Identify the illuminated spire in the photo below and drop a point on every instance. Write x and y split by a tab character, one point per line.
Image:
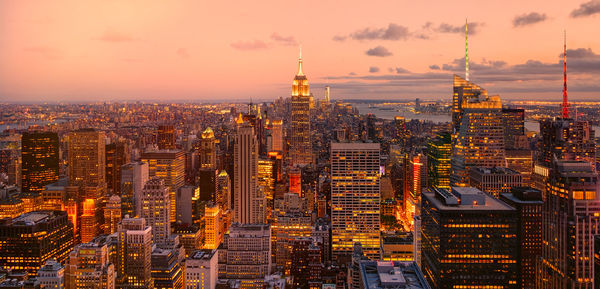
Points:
300	72
466	51
565	103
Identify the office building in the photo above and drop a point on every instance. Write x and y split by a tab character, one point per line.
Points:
134	249
277	135
29	240
188	201
52	275
166	137
570	222
468	240
89	266
190	236
133	178
246	254
39	160
566	139
415	170
213	229
401	134
306	264
167	267
521	160
514	126
300	146
249	200
355	198
529	205
201	269
168	165
156	209
117	155
397	246
112	214
495	180
223	191
208	150
438	155
87	158
479	138
286	228
463	92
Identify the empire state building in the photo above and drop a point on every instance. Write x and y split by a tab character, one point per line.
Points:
300	146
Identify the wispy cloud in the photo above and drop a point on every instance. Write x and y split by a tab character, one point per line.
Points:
396	32
44	51
528	19
379	51
373	69
586	9
284	40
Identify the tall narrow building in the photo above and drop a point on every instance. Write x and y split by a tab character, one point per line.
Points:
355	198
89	266
117	154
479	138
86	158
134	249
156	209
170	166
300	145
277	135
133	178
249	201
208	150
570	222
39	160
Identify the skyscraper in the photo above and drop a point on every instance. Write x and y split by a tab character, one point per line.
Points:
39	160
156	209
223	191
355	198
464	91
208	150
468	240
213	229
133	178
112	214
479	138
567	139
134	249
514	125
277	134
166	137
249	201
170	166
117	154
570	222
29	240
438	154
89	266
86	158
496	180
300	145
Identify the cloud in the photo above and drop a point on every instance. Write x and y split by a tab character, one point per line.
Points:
434	67
392	32
379	51
400	70
579	53
249	45
339	38
528	19
373	69
474	28
113	36
183	53
44	51
289	40
586	9
352	73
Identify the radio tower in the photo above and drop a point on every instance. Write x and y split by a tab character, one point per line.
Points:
565	103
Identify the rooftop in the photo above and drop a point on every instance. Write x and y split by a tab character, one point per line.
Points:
495	171
392	274
464	199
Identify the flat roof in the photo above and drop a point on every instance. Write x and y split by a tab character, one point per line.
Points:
491	203
392	274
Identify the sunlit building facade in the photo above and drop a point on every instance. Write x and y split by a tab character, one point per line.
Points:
134	249
249	201
168	165
208	150
300	146
156	209
89	267
355	198
213	229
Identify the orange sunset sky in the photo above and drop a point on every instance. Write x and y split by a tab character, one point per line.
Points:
236	50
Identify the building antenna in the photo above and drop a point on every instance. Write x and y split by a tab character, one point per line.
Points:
565	103
466	51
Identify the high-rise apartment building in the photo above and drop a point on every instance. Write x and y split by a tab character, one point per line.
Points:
168	165
29	240
468	240
89	266
156	209
438	155
300	145
479	138
165	137
201	269
355	198
112	214
570	222
134	249
246	254
249	201
133	178
39	160
529	205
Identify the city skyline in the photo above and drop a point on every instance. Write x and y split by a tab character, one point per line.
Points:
383	50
